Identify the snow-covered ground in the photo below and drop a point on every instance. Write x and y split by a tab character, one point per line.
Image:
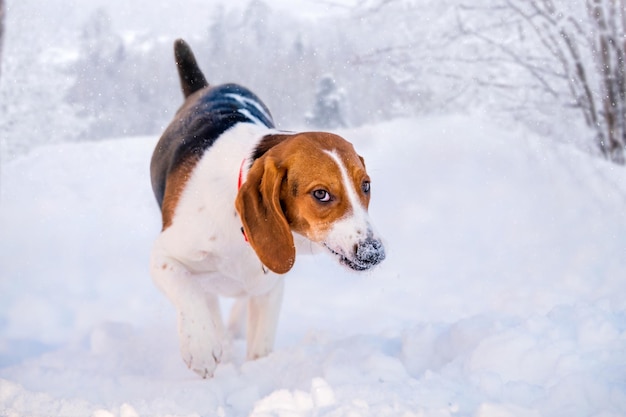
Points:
503	294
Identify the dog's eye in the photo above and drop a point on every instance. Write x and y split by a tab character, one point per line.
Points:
365	187
321	195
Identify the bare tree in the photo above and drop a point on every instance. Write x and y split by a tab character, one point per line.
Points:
573	50
608	41
1	27
1	42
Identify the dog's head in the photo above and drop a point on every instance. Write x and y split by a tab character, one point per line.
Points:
316	185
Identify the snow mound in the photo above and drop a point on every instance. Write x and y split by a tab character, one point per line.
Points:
502	293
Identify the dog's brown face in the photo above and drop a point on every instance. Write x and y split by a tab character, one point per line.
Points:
316	185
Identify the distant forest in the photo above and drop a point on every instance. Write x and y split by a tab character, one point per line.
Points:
552	65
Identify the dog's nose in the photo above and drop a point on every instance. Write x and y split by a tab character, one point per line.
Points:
370	252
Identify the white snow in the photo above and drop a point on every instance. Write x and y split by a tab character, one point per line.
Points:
503	292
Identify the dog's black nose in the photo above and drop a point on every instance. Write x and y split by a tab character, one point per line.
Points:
370	252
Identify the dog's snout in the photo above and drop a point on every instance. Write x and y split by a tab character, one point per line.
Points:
370	252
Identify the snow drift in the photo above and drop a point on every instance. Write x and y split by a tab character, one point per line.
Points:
502	294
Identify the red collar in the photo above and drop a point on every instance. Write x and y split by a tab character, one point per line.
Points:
240	180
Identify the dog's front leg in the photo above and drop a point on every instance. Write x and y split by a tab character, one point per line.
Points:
201	332
200	324
263	312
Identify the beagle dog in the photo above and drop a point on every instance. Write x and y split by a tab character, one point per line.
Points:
237	198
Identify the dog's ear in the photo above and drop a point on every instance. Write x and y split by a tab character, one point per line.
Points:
264	222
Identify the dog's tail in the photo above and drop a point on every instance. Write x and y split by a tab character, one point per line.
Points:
191	77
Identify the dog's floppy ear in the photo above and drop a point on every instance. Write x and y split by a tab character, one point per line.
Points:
264	222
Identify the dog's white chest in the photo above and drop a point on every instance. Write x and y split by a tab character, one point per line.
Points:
205	234
243	284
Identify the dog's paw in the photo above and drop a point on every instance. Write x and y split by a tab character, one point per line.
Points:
258	351
204	364
200	346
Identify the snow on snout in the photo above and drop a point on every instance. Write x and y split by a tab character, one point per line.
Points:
353	238
370	252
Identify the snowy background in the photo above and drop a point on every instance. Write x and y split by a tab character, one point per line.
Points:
503	293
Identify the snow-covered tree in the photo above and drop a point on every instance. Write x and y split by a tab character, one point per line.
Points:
256	17
97	88
328	110
35	80
407	58
1	42
1	29
567	54
123	85
217	30
34	111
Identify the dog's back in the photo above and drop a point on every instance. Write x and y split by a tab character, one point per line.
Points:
206	114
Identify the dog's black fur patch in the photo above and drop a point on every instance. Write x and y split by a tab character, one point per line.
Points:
205	116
